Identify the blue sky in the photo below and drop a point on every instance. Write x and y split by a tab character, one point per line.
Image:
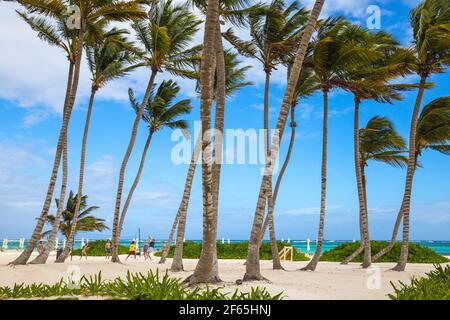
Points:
31	93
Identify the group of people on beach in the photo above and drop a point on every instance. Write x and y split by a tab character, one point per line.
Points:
147	250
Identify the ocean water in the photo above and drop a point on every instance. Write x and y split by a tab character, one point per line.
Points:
440	247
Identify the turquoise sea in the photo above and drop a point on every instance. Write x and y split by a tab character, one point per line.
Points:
440	247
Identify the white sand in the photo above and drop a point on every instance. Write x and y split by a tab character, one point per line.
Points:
330	280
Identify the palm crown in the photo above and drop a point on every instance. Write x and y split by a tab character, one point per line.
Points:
160	111
166	36
275	32
379	141
433	127
86	221
110	58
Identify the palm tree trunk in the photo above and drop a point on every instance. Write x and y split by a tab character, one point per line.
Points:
391	244
136	180
116	228
204	268
252	265
42	258
170	239
177	262
69	242
283	168
315	259
71	90
270	201
276	263
409	178
219	124
365	239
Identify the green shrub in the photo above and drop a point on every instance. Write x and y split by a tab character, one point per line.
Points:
236	250
97	249
134	287
417	253
435	286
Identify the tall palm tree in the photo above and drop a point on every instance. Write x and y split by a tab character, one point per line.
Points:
86	221
49	20
166	37
160	112
110	56
275	31
306	86
433	132
340	47
252	264
431	46
371	82
235	80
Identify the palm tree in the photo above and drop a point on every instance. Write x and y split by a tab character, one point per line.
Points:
431	46
275	36
372	82
165	38
252	264
433	132
340	47
110	56
49	20
306	86
235	80
86	221
159	113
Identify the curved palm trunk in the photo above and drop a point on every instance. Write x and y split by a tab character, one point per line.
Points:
252	265
409	178
136	180
116	228
71	91
276	263
177	262
282	170
315	259
205	265
70	239
170	239
270	201
42	258
365	239
391	244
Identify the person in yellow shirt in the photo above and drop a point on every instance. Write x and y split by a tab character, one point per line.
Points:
132	251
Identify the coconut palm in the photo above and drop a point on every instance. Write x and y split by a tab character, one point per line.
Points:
49	19
86	221
275	36
306	86
371	82
235	80
433	133
165	37
431	46
340	47
379	141
160	112
252	264
110	56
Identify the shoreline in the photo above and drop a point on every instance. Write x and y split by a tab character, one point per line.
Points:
331	280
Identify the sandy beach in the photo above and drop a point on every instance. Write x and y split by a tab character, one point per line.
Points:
330	280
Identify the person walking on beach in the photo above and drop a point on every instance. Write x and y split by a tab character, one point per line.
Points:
152	247
132	251
84	251
40	247
108	249
145	250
